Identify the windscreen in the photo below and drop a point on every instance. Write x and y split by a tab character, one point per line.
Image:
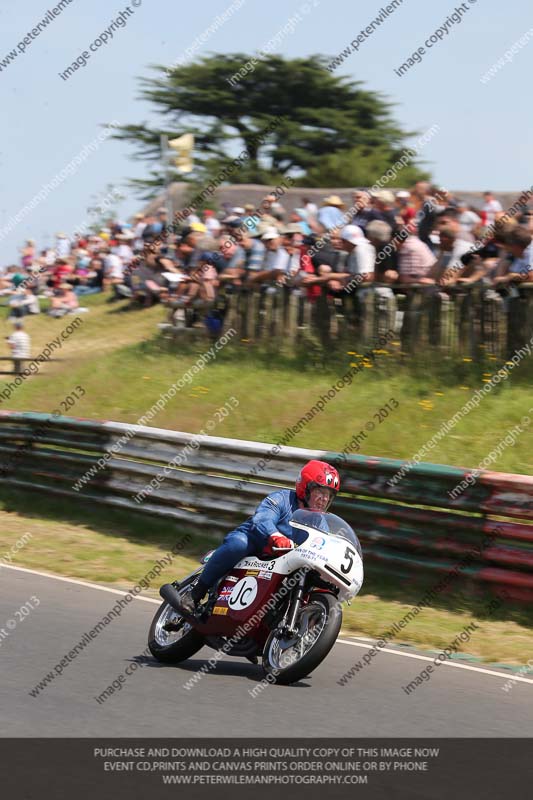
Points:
324	523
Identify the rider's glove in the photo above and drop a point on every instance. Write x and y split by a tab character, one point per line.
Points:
277	543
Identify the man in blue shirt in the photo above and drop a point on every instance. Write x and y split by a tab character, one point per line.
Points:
330	214
268	531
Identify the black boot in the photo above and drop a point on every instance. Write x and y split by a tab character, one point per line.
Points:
190	597
198	592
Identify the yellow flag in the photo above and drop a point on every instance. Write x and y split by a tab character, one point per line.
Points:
184	146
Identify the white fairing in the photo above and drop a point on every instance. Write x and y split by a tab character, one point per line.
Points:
335	558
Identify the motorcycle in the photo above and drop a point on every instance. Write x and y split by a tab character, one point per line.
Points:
286	610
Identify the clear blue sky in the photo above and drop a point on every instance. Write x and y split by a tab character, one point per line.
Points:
484	129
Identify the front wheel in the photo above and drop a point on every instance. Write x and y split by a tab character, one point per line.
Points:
172	646
288	660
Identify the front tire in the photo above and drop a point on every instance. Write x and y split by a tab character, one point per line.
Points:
319	622
173	646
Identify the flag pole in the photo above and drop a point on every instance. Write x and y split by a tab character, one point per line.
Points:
166	177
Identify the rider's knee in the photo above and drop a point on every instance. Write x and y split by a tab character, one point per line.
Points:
238	542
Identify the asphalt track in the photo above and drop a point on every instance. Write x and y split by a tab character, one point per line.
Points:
153	702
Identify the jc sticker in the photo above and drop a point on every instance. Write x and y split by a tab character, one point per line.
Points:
243	594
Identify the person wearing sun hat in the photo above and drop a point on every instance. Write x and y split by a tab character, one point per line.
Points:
330	214
275	259
361	253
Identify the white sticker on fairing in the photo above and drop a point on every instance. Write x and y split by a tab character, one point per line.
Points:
243	594
278	565
265	575
312	555
251	563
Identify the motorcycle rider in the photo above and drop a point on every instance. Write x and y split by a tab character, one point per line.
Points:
268	532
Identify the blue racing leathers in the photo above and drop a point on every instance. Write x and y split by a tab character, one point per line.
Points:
272	515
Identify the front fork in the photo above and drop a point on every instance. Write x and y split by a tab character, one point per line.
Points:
288	626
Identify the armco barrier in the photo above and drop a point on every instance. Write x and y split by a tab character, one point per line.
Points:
408	528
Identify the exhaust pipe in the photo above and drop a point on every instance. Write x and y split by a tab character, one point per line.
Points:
169	593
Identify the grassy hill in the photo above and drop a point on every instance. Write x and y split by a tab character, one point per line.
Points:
123	363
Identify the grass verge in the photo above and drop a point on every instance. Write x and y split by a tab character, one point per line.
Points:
124	365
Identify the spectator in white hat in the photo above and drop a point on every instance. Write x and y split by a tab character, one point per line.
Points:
361	254
276	259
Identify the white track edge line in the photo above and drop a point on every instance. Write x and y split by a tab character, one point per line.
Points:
79	583
508	675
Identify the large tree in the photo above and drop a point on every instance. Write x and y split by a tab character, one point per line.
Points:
319	116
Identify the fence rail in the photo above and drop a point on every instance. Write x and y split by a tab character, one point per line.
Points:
406	529
465	320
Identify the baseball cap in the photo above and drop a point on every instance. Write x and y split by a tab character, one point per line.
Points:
270	233
352	234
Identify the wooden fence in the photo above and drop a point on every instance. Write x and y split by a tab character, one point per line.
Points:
466	321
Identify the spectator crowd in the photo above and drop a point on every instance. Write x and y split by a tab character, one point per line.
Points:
425	236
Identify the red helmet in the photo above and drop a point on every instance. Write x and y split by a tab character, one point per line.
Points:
317	473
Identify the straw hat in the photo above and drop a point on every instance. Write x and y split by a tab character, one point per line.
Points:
333	200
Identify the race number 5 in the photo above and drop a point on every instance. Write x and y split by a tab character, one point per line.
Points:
348	556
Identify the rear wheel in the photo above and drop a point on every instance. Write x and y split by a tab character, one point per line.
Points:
178	644
287	660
